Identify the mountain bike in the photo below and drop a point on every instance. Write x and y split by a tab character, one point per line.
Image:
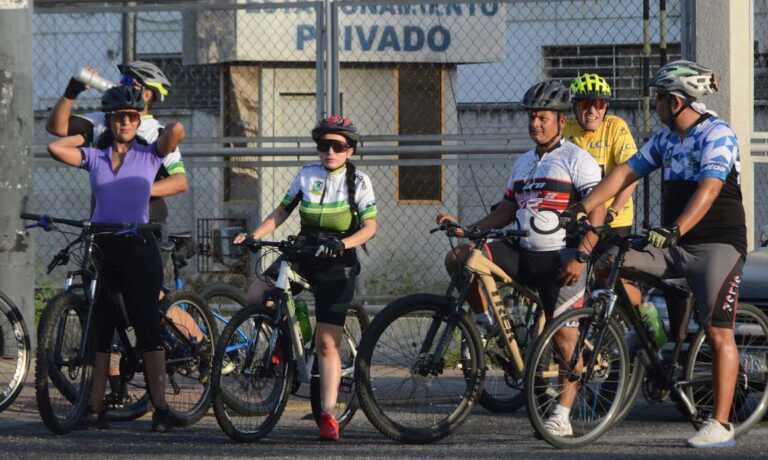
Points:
15	353
266	356
63	374
598	365
421	363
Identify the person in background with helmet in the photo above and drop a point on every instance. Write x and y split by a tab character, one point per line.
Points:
153	83
551	176
702	235
338	211
122	167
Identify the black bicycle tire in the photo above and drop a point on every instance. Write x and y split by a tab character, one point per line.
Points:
190	417
366	398
218	289
636	377
24	354
314	386
220	402
696	346
47	331
530	377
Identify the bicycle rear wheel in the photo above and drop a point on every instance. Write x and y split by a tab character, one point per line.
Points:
408	393
189	339
62	379
250	398
598	395
751	398
346	403
15	353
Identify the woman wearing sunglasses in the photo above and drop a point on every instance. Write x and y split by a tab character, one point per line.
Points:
122	168
338	210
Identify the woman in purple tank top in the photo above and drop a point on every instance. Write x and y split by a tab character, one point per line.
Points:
122	168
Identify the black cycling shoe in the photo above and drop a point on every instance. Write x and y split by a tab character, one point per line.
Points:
205	360
163	420
99	420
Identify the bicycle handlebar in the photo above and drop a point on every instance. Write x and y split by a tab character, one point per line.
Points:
46	223
479	234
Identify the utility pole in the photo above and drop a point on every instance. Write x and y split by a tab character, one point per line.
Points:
16	121
129	35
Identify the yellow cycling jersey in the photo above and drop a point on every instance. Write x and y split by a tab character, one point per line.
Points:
611	145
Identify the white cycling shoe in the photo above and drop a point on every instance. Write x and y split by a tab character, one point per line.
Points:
559	426
712	435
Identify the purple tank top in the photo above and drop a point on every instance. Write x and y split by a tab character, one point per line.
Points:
122	196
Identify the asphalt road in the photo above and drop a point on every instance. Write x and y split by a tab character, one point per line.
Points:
656	431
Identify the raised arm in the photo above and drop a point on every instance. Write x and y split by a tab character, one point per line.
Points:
619	179
171	138
66	150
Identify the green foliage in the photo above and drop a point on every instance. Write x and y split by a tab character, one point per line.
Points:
43	294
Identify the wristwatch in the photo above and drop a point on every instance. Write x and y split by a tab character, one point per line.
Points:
582	257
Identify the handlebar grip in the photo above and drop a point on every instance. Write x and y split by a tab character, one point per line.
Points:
28	216
517	233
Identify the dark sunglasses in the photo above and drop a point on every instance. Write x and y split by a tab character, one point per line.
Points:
132	117
324	146
585	104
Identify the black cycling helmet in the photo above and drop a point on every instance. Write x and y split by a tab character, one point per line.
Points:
548	95
122	98
149	75
336	124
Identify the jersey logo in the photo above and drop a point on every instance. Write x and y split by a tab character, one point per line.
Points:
316	188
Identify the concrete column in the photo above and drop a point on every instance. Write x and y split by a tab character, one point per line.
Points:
16	122
724	34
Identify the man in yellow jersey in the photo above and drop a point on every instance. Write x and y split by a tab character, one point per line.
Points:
606	137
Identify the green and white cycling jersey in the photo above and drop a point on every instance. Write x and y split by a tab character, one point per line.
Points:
149	130
322	198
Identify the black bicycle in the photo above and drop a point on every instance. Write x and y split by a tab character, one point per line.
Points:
63	374
15	352
596	368
421	364
262	356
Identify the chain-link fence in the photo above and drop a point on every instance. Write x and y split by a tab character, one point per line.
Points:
433	86
759	142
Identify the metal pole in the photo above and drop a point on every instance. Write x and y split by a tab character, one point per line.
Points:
662	32
333	63
16	124
646	107
129	35
328	43
320	61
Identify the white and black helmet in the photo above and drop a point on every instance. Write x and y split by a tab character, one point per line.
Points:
686	79
548	95
149	75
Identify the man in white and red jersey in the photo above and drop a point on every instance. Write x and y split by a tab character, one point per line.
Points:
553	175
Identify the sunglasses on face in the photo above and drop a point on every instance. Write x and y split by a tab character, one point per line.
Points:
324	146
120	117
585	104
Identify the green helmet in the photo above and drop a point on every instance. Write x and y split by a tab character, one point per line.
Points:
589	86
686	79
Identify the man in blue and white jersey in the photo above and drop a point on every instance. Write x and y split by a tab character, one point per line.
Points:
703	231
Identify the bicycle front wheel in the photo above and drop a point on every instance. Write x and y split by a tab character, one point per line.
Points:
596	383
15	353
252	374
189	335
224	300
62	377
751	398
346	402
419	369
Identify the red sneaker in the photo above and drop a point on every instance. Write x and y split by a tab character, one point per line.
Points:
329	427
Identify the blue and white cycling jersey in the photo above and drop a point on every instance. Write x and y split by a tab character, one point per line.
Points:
709	150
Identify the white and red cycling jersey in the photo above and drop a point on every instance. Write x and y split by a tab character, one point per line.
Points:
554	180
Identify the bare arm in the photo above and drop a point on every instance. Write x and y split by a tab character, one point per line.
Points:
171	138
597	218
619	179
362	236
624	196
699	204
171	185
268	225
58	120
66	150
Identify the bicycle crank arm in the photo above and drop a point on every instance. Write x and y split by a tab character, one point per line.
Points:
677	388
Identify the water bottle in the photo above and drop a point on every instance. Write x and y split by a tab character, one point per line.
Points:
652	321
93	80
302	315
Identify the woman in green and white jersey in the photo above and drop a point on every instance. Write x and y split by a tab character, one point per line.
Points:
337	207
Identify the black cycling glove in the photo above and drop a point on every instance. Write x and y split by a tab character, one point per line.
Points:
664	237
74	88
330	247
